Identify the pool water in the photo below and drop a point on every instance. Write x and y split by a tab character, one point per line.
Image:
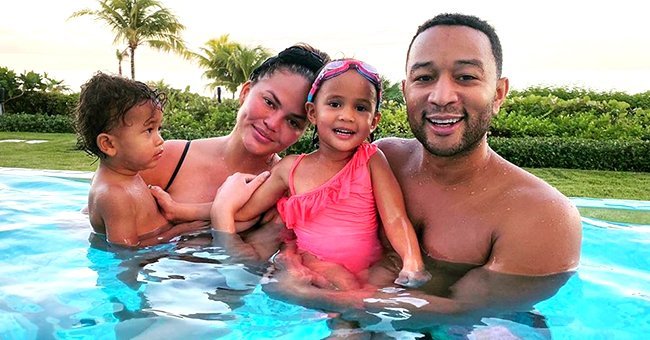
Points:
57	280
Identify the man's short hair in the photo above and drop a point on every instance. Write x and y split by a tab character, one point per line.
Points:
457	19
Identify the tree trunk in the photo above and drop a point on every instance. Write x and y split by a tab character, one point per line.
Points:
132	62
119	68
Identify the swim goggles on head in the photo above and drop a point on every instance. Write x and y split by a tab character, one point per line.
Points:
337	67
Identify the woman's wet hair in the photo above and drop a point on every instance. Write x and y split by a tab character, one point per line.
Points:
301	59
103	103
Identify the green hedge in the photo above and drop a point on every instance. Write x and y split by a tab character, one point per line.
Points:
640	100
545	127
537	116
574	153
47	103
22	122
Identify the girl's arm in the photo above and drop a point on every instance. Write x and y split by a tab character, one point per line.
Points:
398	228
232	204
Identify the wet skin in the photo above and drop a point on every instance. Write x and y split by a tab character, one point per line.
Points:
494	237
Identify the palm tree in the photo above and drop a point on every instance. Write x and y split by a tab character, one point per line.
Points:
53	85
120	57
139	22
228	63
391	91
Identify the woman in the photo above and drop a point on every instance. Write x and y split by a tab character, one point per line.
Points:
271	118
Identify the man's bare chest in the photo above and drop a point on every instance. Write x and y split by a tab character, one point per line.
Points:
452	225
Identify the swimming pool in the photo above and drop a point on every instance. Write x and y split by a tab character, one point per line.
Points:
59	281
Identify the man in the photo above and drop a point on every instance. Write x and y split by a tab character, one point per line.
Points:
494	237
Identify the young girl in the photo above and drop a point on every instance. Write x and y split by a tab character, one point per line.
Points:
336	191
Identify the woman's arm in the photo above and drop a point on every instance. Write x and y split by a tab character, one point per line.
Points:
238	200
235	192
398	228
179	212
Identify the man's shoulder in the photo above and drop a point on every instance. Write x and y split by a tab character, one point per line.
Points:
394	147
539	228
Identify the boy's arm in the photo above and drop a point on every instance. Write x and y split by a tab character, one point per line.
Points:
118	212
398	228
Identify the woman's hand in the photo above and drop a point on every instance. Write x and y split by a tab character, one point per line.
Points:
165	202
235	191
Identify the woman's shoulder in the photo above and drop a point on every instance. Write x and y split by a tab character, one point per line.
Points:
212	143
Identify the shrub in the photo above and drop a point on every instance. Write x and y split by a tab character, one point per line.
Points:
574	153
47	103
21	122
393	121
536	116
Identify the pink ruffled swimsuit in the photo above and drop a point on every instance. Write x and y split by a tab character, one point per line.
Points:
337	222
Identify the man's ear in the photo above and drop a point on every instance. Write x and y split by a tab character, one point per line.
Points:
245	89
106	144
310	108
503	85
375	121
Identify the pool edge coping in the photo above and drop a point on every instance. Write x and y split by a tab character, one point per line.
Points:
76	174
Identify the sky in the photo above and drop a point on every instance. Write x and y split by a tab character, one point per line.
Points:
597	45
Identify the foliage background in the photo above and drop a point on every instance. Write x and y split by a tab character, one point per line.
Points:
537	127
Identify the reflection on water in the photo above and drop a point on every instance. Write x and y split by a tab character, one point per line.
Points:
61	281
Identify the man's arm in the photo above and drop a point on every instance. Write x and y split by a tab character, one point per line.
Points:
530	261
541	236
477	294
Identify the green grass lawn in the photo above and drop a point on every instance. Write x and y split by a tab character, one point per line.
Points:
60	153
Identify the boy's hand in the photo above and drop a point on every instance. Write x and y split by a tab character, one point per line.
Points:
412	279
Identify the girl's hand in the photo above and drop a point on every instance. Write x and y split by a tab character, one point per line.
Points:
412	279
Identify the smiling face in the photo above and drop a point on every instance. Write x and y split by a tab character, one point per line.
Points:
451	89
344	111
272	114
136	141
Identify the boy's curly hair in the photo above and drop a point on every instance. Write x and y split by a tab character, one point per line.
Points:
103	103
